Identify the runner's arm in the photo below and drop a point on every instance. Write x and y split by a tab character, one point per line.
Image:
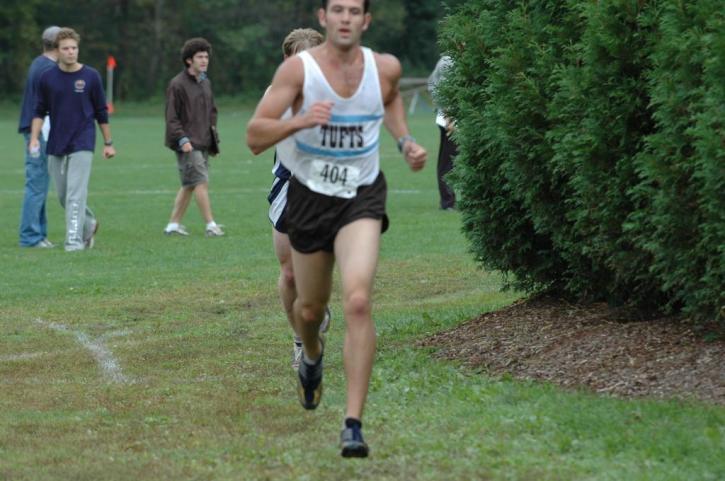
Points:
394	120
266	127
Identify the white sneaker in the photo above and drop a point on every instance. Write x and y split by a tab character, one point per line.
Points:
179	230
44	244
91	241
325	326
296	355
214	230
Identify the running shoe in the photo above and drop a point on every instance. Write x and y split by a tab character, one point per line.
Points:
297	354
91	241
351	440
178	230
325	326
44	244
309	383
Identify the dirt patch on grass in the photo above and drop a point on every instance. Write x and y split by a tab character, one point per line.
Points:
607	350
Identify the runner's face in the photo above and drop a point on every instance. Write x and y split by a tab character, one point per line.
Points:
199	62
344	21
68	52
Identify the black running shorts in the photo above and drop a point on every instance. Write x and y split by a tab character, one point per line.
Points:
313	220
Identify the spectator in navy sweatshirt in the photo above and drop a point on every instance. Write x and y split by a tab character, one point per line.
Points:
72	95
33	221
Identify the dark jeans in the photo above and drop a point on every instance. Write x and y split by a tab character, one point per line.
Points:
33	222
448	149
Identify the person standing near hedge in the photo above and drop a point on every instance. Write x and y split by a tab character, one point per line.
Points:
33	221
72	95
191	118
448	148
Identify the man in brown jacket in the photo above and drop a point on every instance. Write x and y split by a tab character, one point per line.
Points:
191	133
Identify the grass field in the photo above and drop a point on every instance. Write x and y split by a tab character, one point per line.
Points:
155	358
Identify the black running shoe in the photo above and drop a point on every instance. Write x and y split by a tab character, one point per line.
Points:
352	442
309	386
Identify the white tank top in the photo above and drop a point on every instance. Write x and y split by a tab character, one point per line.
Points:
336	158
285	148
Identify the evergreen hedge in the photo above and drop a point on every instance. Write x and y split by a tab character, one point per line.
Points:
591	147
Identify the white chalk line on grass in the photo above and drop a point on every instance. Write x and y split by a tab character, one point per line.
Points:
104	357
25	356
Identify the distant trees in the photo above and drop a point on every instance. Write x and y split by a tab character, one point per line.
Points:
145	37
19	43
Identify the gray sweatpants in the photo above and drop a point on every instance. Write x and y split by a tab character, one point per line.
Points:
71	173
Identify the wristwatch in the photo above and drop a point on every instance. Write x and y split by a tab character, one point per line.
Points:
402	140
108	142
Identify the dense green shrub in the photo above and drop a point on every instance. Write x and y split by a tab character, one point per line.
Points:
682	164
592	147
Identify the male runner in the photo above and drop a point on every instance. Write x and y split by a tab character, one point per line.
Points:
340	93
296	41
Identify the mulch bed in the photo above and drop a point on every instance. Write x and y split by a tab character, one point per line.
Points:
612	351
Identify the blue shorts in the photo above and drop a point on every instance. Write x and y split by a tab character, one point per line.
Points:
278	204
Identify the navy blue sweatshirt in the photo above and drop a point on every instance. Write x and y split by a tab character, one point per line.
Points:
30	96
74	101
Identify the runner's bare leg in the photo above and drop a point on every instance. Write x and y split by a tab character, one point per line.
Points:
286	281
313	278
356	248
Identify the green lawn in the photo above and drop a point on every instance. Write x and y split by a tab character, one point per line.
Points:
151	358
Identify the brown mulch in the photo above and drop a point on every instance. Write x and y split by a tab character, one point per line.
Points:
592	346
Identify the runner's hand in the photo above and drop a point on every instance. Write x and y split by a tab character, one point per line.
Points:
318	114
415	155
187	147
108	151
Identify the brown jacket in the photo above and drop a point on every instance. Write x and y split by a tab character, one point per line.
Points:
191	113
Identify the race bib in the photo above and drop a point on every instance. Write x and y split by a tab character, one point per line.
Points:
334	179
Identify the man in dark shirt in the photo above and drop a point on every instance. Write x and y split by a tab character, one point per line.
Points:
72	95
33	221
191	133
